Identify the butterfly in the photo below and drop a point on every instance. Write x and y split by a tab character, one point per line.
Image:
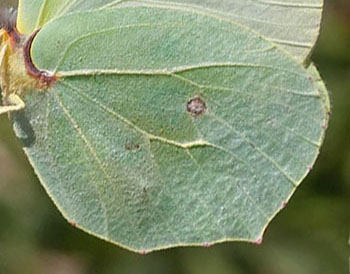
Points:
153	125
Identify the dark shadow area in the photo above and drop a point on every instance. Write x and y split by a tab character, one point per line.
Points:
24	129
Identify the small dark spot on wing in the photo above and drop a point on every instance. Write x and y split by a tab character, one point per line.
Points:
258	241
196	106
206	245
132	147
74	224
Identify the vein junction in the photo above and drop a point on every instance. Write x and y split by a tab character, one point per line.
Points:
151	137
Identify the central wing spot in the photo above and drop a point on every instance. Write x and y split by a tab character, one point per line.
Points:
196	106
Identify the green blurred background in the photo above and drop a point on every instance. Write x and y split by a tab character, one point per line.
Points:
310	236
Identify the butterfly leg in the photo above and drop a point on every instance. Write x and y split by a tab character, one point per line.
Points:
15	104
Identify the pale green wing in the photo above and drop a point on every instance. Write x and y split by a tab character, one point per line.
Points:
121	150
33	14
292	24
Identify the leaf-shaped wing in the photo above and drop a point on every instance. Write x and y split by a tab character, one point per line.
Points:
33	14
293	25
168	127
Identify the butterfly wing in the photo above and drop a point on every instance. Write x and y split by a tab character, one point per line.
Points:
116	145
289	24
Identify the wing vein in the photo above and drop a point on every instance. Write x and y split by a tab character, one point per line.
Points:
94	155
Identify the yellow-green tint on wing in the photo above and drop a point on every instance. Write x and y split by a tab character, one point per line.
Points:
292	24
33	14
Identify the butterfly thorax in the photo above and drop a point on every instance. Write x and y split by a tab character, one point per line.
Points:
14	77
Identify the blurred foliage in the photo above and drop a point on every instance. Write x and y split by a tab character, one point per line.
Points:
310	236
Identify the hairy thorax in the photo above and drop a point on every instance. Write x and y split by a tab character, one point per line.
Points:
14	77
18	74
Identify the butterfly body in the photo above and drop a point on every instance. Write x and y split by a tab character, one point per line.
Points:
14	78
18	74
